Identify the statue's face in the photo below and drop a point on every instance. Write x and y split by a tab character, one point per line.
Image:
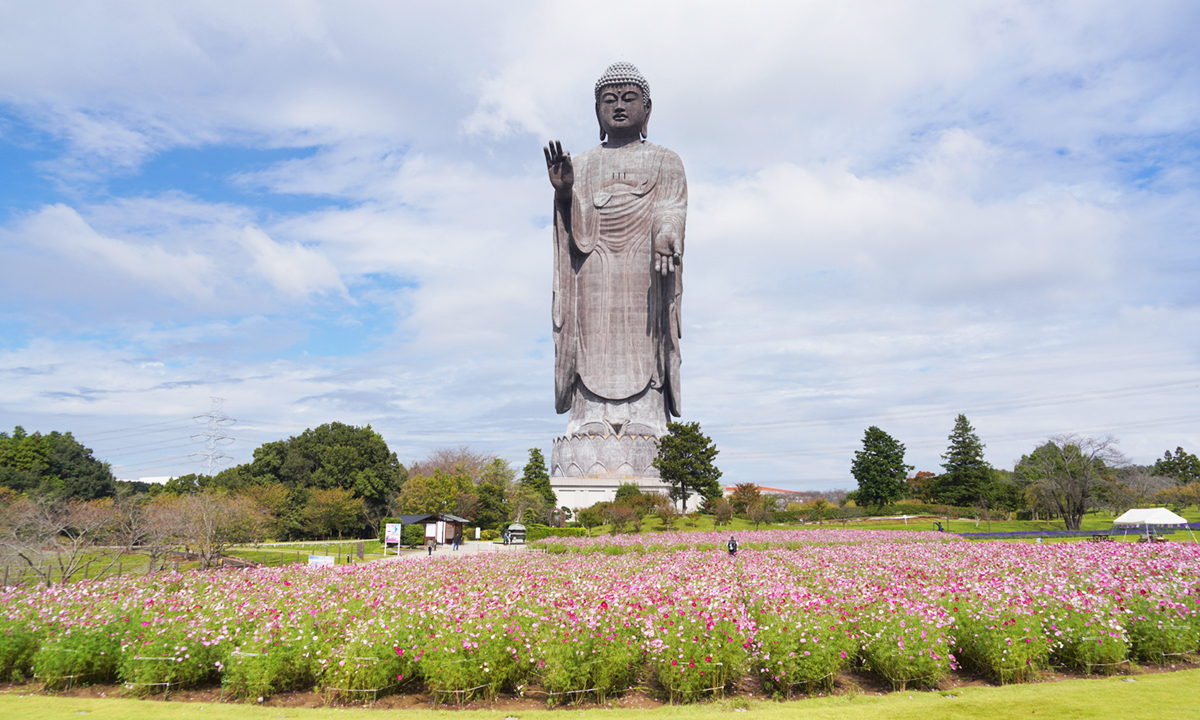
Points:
620	110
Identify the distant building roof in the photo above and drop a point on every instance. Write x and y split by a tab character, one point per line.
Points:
777	491
423	518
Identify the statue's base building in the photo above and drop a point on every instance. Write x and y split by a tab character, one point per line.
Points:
587	469
620	211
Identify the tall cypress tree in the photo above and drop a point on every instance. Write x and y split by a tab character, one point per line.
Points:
968	477
535	476
879	468
685	462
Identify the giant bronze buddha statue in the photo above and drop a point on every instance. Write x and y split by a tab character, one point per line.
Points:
619	215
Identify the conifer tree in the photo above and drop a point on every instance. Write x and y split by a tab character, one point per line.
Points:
879	468
968	477
1184	466
536	478
685	462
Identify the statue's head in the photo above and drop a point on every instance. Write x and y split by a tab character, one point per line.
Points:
622	101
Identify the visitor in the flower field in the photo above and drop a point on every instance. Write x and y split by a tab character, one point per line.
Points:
732	544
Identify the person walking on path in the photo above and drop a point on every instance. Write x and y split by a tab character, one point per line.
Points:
457	539
732	545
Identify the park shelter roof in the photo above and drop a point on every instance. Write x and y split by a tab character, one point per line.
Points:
1150	516
430	517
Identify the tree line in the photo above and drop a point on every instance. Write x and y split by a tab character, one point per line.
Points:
335	480
1065	477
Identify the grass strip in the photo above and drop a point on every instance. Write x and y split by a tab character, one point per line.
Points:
1164	696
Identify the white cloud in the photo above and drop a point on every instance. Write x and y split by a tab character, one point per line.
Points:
61	230
293	269
899	212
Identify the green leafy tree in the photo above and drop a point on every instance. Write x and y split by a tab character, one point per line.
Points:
493	490
272	503
628	493
879	469
967	479
527	505
761	512
1067	473
333	510
744	497
1183	466
53	465
536	478
685	462
590	518
187	484
630	496
334	455
722	512
433	493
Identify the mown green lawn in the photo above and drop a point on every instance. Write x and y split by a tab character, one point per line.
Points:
1166	696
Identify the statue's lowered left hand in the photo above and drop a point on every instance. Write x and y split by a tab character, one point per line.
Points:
668	249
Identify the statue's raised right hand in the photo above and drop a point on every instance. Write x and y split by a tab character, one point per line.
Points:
562	172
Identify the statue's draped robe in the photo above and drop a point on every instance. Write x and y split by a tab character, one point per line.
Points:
616	321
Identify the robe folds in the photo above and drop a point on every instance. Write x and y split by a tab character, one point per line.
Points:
616	321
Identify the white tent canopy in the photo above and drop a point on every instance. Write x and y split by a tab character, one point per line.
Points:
1140	517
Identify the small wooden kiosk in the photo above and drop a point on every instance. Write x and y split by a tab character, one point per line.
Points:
440	528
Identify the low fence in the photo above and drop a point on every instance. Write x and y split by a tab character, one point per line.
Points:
100	567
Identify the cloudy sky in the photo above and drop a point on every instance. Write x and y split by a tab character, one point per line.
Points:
317	211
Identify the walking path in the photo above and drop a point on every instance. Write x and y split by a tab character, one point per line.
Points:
468	548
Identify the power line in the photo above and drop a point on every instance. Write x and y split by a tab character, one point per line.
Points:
981	409
89	436
848	450
161	444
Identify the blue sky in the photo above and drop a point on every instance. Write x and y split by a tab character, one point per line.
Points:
323	211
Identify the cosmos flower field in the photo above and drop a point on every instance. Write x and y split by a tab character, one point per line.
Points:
671	615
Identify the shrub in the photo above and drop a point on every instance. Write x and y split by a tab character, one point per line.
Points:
361	669
153	663
1088	640
78	657
1160	630
275	666
904	648
1005	644
17	646
587	662
696	654
537	533
805	650
464	659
